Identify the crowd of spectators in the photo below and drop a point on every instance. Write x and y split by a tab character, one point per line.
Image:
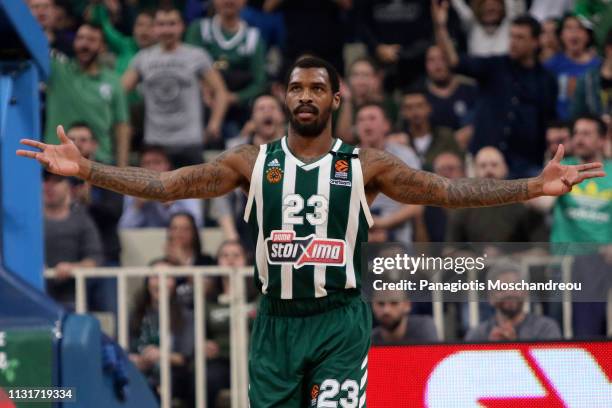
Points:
480	88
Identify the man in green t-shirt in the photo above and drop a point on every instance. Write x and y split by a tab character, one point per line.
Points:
80	90
238	51
585	214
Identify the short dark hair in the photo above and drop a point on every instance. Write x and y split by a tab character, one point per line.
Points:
528	21
415	90
377	105
168	9
316	62
82	124
95	26
157	149
559	124
602	128
367	60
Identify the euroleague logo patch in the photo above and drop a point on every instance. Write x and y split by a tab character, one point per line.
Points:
342	166
274	175
314	393
283	247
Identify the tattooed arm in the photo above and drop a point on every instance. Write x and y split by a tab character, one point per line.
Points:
385	173
229	170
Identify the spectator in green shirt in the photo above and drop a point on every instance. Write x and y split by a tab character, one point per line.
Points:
123	46
80	90
239	54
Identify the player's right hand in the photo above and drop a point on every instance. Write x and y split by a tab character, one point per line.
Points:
60	159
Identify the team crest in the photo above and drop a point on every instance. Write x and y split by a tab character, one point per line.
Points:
284	248
274	175
314	394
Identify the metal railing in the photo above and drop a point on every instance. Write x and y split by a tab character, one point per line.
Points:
238	321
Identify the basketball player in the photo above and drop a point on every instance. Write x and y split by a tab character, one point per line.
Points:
308	196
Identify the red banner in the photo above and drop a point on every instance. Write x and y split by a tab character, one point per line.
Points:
515	375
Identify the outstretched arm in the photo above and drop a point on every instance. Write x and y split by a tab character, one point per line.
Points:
229	170
385	173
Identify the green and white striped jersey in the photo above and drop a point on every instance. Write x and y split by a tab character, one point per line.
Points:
308	221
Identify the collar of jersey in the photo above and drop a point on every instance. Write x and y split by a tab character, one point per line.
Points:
312	165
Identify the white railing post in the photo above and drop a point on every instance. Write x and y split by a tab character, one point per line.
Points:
473	302
200	356
164	340
241	339
81	292
566	277
122	311
234	352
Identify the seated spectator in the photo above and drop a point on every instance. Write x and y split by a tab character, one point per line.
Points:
267	124
513	222
487	24
144	336
142	213
451	166
426	139
452	98
511	322
44	11
105	208
364	85
183	245
577	57
558	132
585	213
372	127
239	54
83	90
517	95
594	89
71	239
396	325
217	346
549	41
173	97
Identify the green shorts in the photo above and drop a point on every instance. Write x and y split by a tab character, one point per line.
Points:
310	352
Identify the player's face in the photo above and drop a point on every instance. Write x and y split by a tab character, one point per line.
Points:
87	44
371	126
144	33
309	101
586	141
168	27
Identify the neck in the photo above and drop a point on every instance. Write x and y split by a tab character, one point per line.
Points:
170	46
376	144
420	130
527	61
310	148
91	68
575	55
398	333
230	23
58	212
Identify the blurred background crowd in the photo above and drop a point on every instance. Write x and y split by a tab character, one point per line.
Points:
462	88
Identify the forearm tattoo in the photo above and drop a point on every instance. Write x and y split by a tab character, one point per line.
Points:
395	179
201	181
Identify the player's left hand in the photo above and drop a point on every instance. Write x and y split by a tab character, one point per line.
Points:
557	179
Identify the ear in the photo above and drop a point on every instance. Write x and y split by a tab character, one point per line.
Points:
336	101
